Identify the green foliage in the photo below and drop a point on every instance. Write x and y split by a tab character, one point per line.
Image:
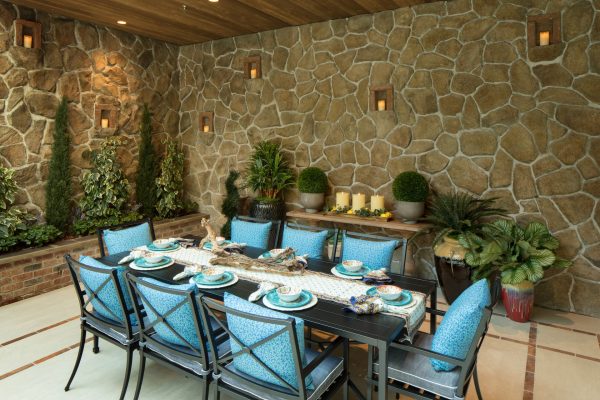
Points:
58	187
105	187
410	186
145	189
88	226
12	220
518	253
170	182
268	171
312	180
39	235
8	188
230	205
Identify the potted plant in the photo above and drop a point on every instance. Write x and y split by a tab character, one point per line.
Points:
268	173
312	184
521	255
410	190
452	214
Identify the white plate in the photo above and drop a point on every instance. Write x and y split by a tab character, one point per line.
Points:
231	282
304	307
336	273
133	266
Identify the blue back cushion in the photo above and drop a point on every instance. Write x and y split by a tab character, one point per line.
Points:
457	330
127	239
276	353
305	241
108	294
373	254
181	320
254	234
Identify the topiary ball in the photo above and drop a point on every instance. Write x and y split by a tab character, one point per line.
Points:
312	180
410	186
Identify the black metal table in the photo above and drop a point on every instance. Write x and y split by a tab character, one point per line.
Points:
377	330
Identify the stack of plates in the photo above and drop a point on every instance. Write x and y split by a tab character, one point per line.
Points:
208	245
228	279
404	299
171	247
305	301
341	272
141	264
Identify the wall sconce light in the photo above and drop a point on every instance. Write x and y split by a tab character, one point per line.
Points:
207	122
252	67
28	34
106	116
543	30
382	98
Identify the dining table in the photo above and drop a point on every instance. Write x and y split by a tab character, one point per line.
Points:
376	330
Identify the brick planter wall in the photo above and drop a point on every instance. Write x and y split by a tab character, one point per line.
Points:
30	272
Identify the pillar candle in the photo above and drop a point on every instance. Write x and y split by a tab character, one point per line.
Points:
342	199
27	41
544	38
104	122
358	201
377	203
253	73
205	128
380	105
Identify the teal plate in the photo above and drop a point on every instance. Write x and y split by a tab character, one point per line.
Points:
227	277
405	297
361	272
269	254
142	263
208	245
304	299
171	247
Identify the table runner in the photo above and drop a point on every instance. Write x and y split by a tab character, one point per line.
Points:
323	285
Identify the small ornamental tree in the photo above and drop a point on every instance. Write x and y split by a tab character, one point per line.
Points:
58	187
169	185
145	189
231	202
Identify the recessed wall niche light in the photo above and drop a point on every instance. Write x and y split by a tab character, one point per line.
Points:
121	22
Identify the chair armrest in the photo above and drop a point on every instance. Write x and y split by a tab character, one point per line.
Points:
429	353
322	355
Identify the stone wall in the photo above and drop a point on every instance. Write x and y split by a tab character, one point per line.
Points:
473	110
88	65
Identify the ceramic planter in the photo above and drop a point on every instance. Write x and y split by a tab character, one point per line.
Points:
312	202
268	210
518	300
454	275
409	212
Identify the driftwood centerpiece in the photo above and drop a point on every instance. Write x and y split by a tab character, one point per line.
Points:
274	264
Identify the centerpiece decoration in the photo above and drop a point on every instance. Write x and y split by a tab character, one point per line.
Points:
410	190
312	184
359	209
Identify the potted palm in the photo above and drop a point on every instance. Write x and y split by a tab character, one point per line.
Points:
449	216
268	174
312	184
520	255
410	190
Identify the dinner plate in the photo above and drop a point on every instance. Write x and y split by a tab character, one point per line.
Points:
221	283
364	270
336	273
140	265
310	304
404	299
171	247
304	299
208	245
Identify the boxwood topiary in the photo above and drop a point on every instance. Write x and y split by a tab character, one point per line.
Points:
312	180
410	186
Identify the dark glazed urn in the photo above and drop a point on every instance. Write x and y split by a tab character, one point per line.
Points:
268	210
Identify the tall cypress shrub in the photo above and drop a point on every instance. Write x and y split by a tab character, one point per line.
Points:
231	203
58	187
145	189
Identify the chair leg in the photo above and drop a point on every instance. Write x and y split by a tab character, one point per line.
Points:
79	354
96	349
477	388
127	372
138	387
369	372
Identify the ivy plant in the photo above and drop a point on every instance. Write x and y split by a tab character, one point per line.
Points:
12	219
169	185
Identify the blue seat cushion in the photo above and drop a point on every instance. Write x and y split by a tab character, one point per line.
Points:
457	330
305	241
181	320
126	239
106	303
254	234
375	254
275	353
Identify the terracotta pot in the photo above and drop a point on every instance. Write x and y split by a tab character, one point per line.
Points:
409	212
518	300
312	202
454	275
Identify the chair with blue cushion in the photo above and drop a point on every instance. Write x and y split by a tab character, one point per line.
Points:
172	333
268	359
306	239
106	309
444	363
374	251
125	237
255	232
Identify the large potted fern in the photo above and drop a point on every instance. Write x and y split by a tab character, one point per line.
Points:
449	216
520	254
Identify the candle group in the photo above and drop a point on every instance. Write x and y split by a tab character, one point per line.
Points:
342	199
544	38
104	122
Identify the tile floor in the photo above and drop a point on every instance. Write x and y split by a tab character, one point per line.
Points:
556	356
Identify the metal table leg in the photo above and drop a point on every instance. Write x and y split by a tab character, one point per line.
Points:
382	349
433	317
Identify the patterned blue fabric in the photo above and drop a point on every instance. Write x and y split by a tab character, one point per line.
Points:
373	254
276	353
108	295
254	234
127	239
457	330
181	320
305	241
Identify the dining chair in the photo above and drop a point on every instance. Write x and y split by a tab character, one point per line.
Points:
106	310
172	333
307	239
425	369
125	237
268	359
374	251
255	232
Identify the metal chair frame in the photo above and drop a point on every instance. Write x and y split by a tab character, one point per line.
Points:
100	231
402	243
275	228
332	232
126	329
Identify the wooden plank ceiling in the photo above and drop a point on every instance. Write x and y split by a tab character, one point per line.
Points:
195	21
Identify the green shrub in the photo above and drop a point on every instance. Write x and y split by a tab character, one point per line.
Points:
145	188
268	172
230	205
410	186
88	226
58	187
312	180
170	182
12	220
39	235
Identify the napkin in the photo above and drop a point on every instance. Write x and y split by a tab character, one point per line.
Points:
263	288
188	271
365	304
377	277
132	256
